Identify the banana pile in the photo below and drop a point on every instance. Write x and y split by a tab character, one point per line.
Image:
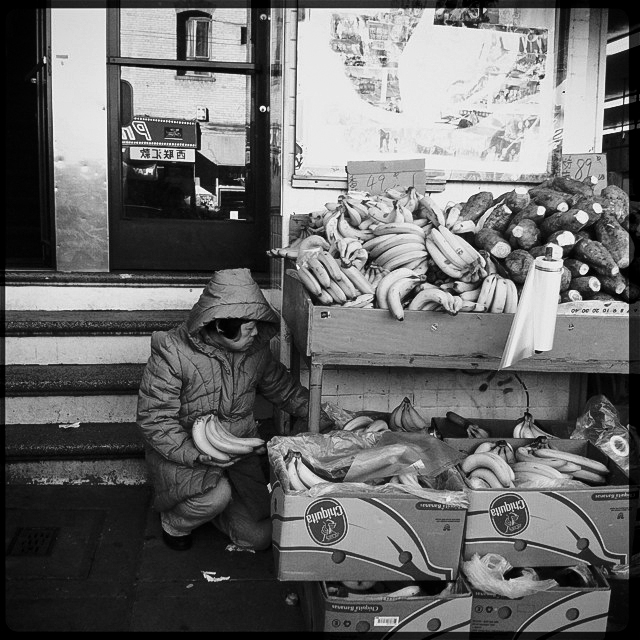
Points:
541	459
366	424
301	476
405	417
488	467
213	439
527	428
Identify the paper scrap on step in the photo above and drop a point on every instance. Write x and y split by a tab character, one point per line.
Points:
534	323
72	425
233	547
210	576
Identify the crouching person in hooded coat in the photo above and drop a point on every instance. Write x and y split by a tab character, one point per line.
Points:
214	363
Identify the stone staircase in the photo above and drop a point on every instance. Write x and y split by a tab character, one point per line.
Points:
74	352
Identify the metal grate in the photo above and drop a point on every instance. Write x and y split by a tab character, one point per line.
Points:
33	541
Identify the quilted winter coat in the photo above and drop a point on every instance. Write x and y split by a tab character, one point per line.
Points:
186	377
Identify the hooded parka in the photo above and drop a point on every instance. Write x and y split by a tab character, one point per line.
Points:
186	377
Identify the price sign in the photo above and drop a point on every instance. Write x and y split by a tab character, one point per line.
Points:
376	177
582	165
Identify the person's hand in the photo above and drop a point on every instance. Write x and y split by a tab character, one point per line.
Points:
210	462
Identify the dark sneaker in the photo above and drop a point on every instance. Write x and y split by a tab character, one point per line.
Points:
177	543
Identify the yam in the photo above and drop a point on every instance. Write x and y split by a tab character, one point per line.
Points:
492	242
566	240
476	205
517	199
590	206
532	211
573	186
526	233
577	267
570	295
585	285
571	220
518	263
618	201
615	238
565	279
597	256
498	219
551	200
614	285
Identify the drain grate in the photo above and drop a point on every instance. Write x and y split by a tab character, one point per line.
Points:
33	541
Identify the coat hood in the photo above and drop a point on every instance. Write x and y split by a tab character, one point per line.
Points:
233	293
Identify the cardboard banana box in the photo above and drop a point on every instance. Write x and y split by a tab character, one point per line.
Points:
579	611
430	615
553	526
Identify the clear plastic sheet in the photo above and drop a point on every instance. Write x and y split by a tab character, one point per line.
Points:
486	573
362	462
600	424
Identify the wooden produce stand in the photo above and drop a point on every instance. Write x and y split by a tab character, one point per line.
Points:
334	336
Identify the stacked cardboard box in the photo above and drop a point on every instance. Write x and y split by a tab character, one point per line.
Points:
548	528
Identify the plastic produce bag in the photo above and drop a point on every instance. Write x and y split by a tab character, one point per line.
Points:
600	424
486	573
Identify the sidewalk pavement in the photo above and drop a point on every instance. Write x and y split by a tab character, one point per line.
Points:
91	558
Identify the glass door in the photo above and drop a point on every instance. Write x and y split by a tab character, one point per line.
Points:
189	139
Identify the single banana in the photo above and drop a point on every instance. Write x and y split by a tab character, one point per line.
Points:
358	279
409	591
585	463
397	250
483	447
359	422
346	230
399	227
447	250
318	270
541	469
308	477
511	302
330	264
398	292
294	478
395	423
465	287
419	422
527	454
224	440
404	259
470	296
334	290
324	298
452	215
309	281
487	290
443	298
202	443
588	476
567	467
488	476
386	242
464	249
347	287
502	470
499	296
362	301
377	426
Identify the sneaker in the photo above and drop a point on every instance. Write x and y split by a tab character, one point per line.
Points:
177	543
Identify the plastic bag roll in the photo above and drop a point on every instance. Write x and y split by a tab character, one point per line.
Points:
546	289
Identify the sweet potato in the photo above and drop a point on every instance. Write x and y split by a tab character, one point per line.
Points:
526	234
577	267
586	285
498	219
476	205
571	220
615	238
490	240
597	256
618	199
518	263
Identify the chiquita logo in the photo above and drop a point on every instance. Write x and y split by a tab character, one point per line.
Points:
509	514
326	521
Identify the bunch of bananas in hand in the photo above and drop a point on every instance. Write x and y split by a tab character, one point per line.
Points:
541	458
526	427
366	424
487	470
454	256
301	476
405	417
398	244
213	439
499	447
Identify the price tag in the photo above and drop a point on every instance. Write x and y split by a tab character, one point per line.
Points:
594	308
582	165
375	177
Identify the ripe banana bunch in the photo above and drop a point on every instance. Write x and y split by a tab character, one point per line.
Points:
498	294
394	288
500	447
545	459
527	428
398	244
476	431
350	252
429	297
374	273
213	439
454	256
339	226
406	418
301	476
366	424
407	199
329	282
487	468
